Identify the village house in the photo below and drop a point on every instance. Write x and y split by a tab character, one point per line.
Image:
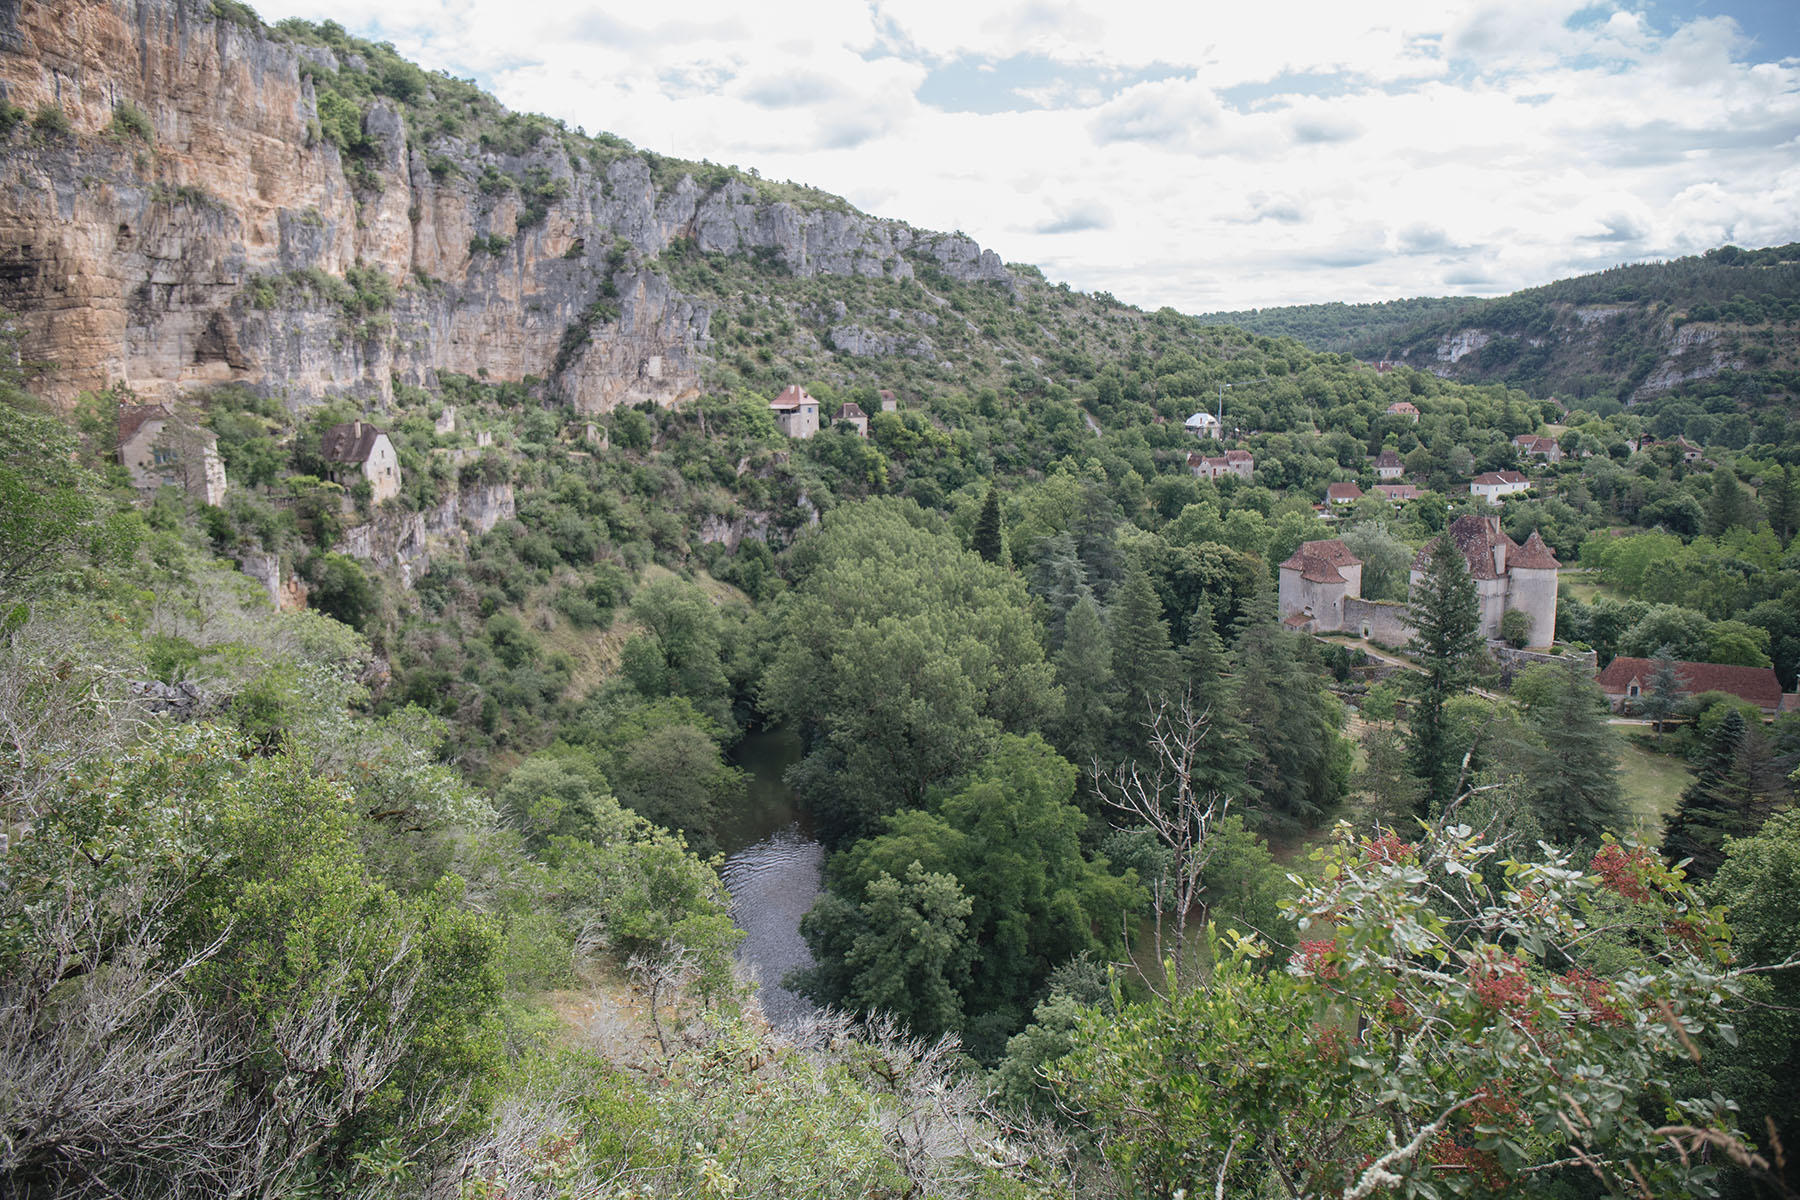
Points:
1546	448
1404	408
1690	453
889	401
851	413
1204	425
1388	464
796	412
1233	462
1507	576
1315	583
356	449
1399	493
1626	681
160	449
1495	484
1338	494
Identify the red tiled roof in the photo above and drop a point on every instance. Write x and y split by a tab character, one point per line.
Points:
792	396
1238	456
1342	491
1758	685
1534	555
1319	561
850	409
1493	477
1403	406
1399	491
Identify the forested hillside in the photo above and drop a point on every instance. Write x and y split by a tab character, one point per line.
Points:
361	828
1717	326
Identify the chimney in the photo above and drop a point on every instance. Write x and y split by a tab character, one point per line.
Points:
356	429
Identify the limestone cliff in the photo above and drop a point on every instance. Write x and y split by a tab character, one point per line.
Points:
173	214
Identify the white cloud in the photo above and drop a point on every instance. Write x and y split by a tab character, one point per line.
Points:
1191	155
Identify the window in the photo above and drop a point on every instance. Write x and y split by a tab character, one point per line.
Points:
162	456
1632	690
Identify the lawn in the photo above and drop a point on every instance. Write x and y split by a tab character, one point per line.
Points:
1652	785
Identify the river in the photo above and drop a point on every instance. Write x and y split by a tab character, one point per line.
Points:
772	869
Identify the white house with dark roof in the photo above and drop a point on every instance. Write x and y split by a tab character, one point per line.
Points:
1388	464
358	449
851	413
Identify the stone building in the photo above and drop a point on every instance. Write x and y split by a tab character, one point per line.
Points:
1233	462
851	413
161	449
1388	464
1204	425
1321	584
1507	576
796	412
356	449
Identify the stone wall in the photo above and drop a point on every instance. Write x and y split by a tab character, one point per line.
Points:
1513	661
1381	621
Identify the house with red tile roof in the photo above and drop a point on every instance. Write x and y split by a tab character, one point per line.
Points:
1626	680
1404	408
796	412
1316	580
1399	493
1233	462
851	413
1337	494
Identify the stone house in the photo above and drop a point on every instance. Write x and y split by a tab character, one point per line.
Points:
1388	464
1233	462
796	412
1495	484
1626	681
852	414
160	449
889	401
1316	581
1546	448
1507	576
1340	494
356	449
1399	493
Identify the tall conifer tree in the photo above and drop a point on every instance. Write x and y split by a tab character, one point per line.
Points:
1226	751
1446	616
1576	787
990	540
1143	660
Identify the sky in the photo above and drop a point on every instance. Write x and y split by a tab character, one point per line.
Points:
1196	155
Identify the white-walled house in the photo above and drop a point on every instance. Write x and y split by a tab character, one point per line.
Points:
357	448
1495	484
1204	425
160	449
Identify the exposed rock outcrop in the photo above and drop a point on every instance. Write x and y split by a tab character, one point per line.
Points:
216	250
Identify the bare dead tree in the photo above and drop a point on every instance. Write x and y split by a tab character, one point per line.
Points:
1160	793
663	975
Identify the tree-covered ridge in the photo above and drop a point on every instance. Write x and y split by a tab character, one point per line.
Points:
1342	328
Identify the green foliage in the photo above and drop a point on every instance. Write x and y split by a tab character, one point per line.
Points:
901	658
340	588
1575	786
1447	643
53	515
129	121
1419	1053
51	122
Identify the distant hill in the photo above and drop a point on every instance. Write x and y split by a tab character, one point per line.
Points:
1342	328
1719	323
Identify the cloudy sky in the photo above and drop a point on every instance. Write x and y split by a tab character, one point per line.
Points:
1198	155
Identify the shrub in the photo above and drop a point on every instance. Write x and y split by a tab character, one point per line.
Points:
50	121
130	121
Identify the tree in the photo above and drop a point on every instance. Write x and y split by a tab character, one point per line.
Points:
1143	661
52	512
1220	765
903	950
1168	797
901	659
1663	694
1575	788
1515	627
1298	764
342	589
1780	496
989	540
1084	672
1447	644
1734	790
1452	1022
1729	506
1386	560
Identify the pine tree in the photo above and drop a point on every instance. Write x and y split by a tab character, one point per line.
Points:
1576	786
1226	751
1084	671
1287	720
1665	688
1061	580
1729	505
1780	497
1446	617
1143	661
1716	805
989	541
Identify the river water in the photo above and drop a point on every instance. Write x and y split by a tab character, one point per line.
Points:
772	869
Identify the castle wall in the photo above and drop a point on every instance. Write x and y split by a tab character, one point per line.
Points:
1378	620
1534	591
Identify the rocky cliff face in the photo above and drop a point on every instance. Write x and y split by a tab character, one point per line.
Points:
215	249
